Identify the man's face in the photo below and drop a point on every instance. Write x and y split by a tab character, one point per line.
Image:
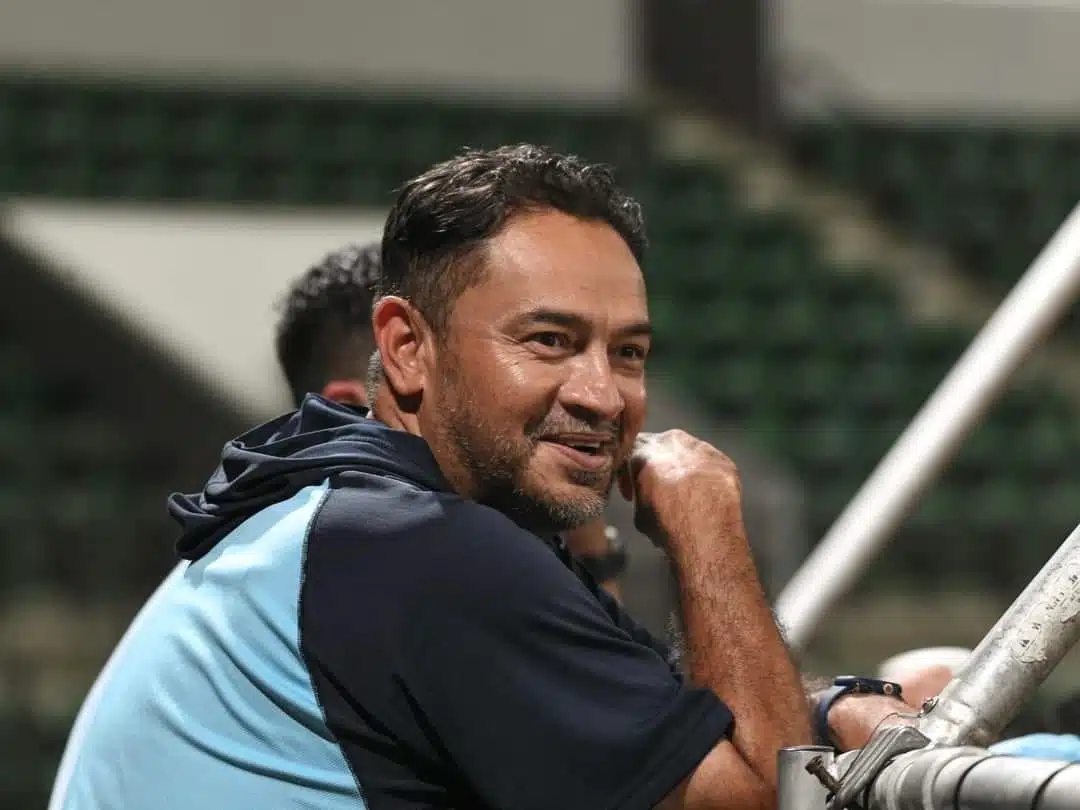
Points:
540	382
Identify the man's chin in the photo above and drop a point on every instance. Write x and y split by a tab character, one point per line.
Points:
571	507
551	500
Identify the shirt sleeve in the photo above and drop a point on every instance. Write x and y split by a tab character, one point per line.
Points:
538	698
621	617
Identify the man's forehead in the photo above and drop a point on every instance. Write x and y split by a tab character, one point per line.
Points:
554	256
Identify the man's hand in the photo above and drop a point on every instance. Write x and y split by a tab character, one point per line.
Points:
674	479
853	718
922	684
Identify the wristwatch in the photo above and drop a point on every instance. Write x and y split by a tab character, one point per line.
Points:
847	685
610	564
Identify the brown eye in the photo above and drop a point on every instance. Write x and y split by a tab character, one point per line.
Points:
550	340
631	352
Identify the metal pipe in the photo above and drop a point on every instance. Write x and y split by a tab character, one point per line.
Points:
1000	675
1032	307
1062	791
973	779
1014	658
797	788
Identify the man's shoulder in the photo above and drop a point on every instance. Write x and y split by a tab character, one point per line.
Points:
388	549
380	522
379	505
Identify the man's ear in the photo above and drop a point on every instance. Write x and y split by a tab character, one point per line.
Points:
404	342
351	392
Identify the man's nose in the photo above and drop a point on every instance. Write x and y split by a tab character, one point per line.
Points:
593	387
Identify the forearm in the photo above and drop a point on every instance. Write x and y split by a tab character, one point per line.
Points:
734	647
852	719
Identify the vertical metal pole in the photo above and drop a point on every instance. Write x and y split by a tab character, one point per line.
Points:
1034	305
797	788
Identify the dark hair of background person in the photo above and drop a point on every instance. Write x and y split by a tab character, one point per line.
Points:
324	332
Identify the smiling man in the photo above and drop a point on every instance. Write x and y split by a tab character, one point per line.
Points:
375	611
324	345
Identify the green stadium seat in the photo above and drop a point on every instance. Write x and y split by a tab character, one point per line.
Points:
791	326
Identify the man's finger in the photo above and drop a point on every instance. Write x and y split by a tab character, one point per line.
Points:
638	456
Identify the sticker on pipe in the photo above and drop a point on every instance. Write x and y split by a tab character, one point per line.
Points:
1059	603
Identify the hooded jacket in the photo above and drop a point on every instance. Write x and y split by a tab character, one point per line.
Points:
344	631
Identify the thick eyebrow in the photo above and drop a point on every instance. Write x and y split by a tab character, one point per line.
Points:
570	320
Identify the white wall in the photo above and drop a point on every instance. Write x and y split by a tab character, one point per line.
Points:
199	283
934	56
574	48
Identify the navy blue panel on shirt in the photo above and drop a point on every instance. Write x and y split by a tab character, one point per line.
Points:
460	662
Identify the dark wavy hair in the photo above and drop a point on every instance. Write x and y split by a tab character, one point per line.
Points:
441	218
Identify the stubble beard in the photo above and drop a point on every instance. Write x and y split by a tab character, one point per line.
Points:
499	469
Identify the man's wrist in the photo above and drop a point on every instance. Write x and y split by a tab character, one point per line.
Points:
839	713
690	541
853	717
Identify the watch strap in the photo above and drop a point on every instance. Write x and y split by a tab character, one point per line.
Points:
845	685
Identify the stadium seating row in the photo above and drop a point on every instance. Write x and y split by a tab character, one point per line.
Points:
992	194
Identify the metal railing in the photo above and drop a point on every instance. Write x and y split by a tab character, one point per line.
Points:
1031	309
932	766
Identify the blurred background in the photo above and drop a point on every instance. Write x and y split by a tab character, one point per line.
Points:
838	193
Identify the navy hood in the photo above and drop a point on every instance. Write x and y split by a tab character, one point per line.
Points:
275	460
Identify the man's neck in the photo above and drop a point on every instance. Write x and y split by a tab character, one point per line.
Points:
387	410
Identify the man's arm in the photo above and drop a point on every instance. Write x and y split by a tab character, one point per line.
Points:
688	501
733	645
